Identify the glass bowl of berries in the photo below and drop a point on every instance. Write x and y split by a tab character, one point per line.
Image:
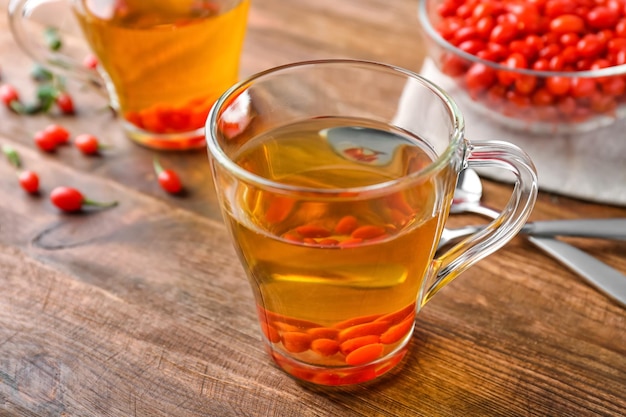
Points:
544	66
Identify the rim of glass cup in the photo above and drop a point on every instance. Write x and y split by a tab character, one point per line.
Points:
427	26
456	138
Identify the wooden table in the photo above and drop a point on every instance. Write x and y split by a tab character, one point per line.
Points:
144	310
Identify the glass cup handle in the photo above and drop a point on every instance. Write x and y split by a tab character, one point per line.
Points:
19	12
495	154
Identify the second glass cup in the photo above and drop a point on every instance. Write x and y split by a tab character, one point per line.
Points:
163	63
335	180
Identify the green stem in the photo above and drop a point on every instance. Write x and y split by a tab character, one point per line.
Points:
157	166
12	156
88	202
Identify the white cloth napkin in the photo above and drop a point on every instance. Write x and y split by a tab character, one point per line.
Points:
589	166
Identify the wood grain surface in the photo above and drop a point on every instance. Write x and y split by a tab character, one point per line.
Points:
143	310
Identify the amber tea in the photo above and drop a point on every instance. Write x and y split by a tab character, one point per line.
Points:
337	277
168	60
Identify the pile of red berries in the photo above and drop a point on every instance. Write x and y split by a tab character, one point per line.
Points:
538	37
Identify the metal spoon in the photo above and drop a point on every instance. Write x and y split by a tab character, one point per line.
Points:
467	199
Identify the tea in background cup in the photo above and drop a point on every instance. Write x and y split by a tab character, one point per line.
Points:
336	201
164	63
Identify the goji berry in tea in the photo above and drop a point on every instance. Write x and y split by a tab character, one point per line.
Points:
398	316
279	209
351	345
397	332
346	225
323	333
354	321
370	336
312	231
296	342
325	347
367	232
365	354
366	329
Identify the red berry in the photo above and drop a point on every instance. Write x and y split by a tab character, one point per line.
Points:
168	179
29	181
71	200
87	144
170	182
567	23
602	17
45	141
67	199
8	94
65	103
60	134
90	61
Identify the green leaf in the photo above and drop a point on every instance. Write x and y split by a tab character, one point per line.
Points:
46	94
41	74
53	40
46	91
17	107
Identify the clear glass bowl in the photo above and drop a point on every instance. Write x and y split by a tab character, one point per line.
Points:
525	99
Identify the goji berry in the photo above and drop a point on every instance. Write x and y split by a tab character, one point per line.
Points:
29	181
397	332
8	95
323	333
279	208
351	345
296	342
365	354
71	200
367	232
64	102
375	328
312	231
168	179
88	144
58	133
325	347
45	141
346	225
398	316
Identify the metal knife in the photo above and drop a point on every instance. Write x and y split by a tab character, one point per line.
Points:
598	228
587	228
605	278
